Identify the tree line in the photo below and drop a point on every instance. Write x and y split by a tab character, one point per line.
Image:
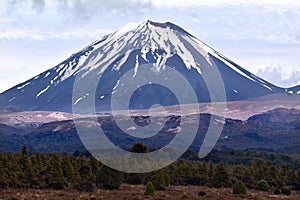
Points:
56	171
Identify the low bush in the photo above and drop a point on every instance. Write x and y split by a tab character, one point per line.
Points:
277	191
185	195
285	191
201	193
149	190
239	188
262	185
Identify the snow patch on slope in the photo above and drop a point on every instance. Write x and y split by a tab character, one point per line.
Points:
24	85
10	100
144	52
81	98
117	84
46	75
118	65
136	65
42	91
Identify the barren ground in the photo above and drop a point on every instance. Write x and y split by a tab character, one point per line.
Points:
137	192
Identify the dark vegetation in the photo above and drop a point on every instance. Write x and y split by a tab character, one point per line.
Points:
262	185
201	193
239	188
149	188
85	173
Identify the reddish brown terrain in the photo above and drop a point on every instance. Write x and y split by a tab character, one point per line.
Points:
137	192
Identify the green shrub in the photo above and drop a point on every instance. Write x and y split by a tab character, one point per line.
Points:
277	191
239	188
160	180
108	178
221	176
201	193
149	190
185	195
285	191
262	185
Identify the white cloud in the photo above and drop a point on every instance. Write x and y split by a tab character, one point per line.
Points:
47	19
237	19
185	3
36	34
83	8
277	76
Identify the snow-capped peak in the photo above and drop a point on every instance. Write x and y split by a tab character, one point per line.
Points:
148	37
129	47
126	28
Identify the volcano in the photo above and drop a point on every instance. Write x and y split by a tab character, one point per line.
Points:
148	43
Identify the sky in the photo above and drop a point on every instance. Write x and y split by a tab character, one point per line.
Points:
262	36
